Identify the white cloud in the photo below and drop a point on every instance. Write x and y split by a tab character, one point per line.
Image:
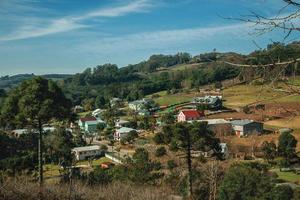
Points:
164	39
46	27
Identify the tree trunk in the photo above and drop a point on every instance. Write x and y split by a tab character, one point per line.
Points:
189	164
40	153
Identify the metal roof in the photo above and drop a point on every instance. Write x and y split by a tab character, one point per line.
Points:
87	148
242	122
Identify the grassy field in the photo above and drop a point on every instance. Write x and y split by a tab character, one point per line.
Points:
94	162
241	95
83	114
287	176
167	99
293	122
51	170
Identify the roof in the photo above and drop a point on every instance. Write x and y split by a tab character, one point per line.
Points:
242	122
85	119
215	121
86	148
192	113
125	130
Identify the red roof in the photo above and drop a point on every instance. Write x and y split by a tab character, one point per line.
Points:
192	113
86	119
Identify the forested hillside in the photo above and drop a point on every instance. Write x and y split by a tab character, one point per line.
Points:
167	72
174	72
7	82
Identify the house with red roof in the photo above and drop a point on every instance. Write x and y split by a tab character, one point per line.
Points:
189	115
89	124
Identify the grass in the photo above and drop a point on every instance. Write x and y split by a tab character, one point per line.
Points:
293	122
168	99
241	95
287	176
94	162
51	170
83	114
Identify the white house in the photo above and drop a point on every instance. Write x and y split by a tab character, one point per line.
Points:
82	153
122	132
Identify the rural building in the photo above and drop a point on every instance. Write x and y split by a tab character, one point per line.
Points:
143	107
246	127
189	115
78	109
89	124
122	132
213	102
115	101
97	112
121	123
220	127
83	153
18	132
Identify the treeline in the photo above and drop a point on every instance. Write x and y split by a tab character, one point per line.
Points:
109	81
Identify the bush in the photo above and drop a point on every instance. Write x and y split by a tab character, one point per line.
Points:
161	151
158	138
246	110
171	164
103	147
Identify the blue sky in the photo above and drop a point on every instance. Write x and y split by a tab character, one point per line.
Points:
67	36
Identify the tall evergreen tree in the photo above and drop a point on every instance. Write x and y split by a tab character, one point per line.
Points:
34	103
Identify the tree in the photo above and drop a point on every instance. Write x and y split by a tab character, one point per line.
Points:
287	145
168	118
269	149
142	169
191	137
59	145
100	101
280	21
130	137
161	151
245	182
282	192
34	103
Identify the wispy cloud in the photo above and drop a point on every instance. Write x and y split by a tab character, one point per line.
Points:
165	38
44	27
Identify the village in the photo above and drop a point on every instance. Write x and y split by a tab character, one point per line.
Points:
113	134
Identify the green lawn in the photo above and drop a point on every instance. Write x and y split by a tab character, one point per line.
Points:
287	176
168	99
51	170
83	114
94	162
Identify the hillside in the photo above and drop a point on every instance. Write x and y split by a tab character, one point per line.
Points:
7	82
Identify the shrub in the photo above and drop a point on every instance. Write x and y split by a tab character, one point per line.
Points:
161	151
158	138
103	147
171	164
246	110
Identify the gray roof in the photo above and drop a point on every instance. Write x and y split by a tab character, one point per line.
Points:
86	148
242	122
125	130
